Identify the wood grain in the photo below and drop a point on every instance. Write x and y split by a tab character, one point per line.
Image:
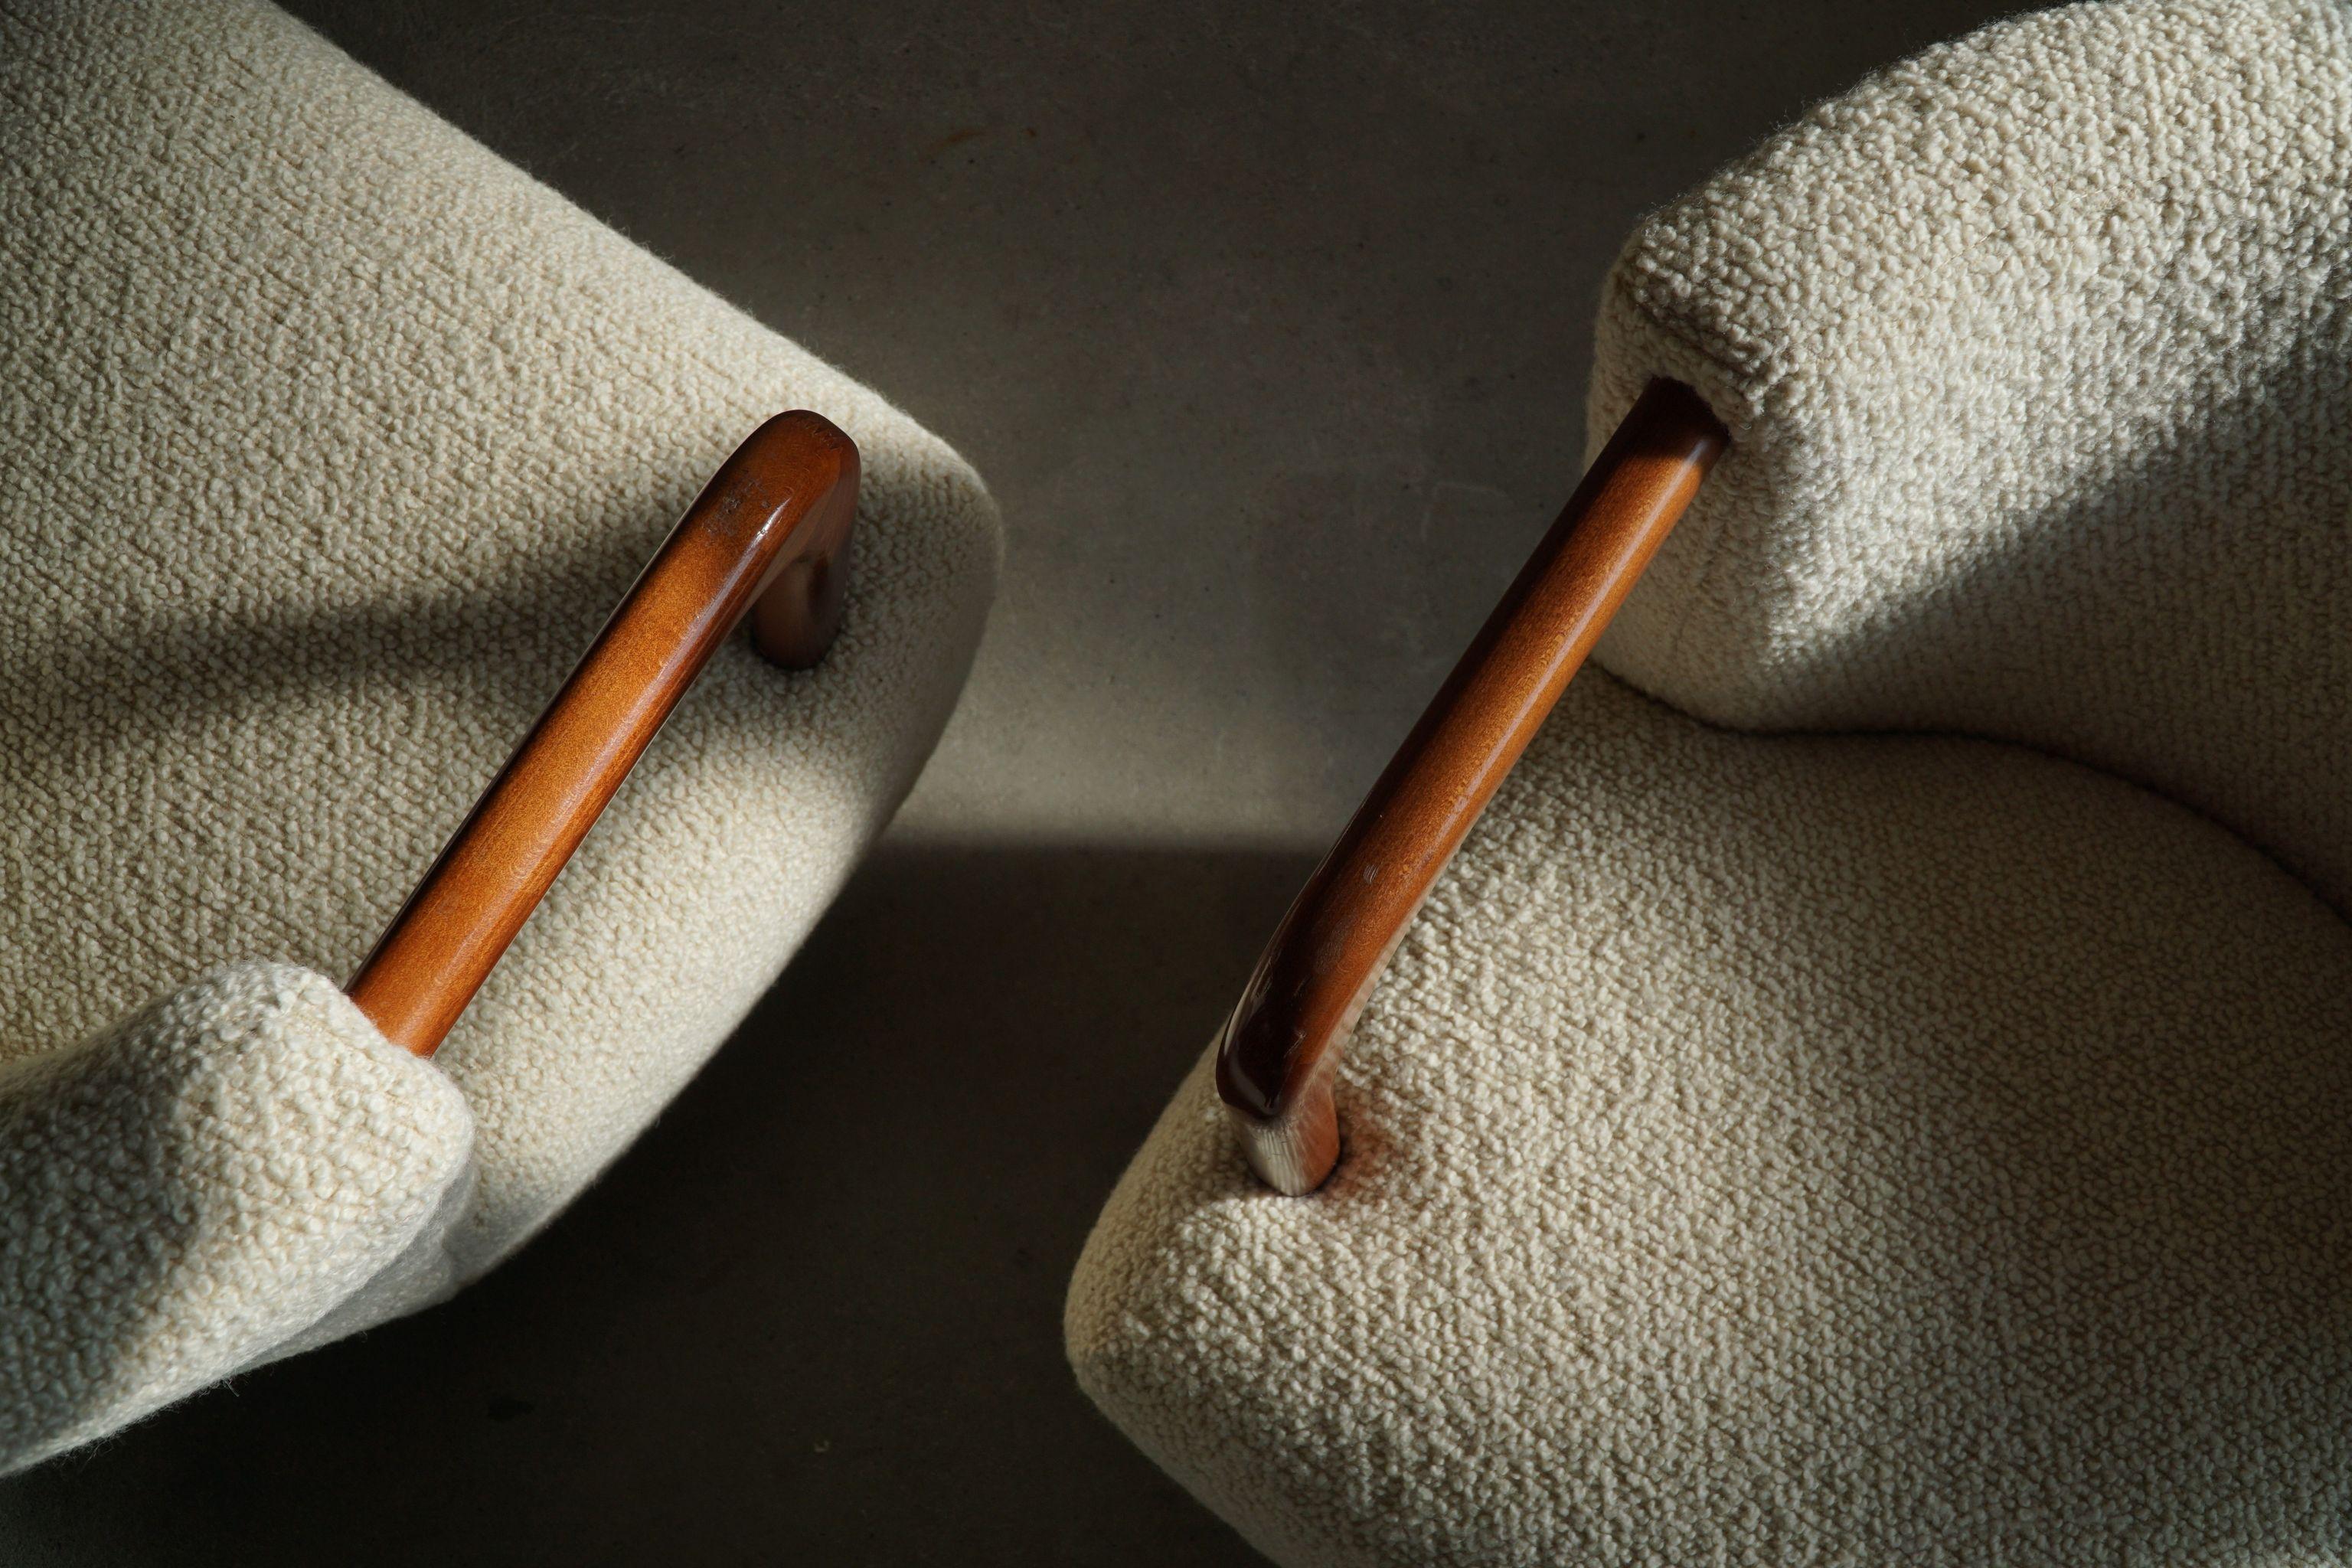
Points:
1276	1053
772	529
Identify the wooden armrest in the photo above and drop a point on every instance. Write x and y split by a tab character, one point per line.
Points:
1276	1057
769	533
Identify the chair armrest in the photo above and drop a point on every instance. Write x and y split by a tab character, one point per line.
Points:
770	534
1277	1051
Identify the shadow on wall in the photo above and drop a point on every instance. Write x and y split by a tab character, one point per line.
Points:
816	1312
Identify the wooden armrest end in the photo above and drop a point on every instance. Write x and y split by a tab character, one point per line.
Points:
1276	1054
770	534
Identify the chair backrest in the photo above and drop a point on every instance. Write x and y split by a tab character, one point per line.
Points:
2036	352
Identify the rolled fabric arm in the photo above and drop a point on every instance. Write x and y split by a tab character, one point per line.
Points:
770	534
1278	1048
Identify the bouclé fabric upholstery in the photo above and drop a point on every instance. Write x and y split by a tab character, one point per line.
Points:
1874	1087
2036	352
326	441
203	1185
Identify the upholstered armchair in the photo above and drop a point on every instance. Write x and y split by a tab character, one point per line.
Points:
1876	1084
330	441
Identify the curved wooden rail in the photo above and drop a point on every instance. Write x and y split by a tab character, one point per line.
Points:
1276	1055
769	533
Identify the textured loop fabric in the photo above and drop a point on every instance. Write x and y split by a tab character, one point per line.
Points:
1816	1150
199	1187
1782	1151
327	442
2037	356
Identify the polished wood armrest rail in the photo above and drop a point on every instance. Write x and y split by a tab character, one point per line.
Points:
771	533
1276	1055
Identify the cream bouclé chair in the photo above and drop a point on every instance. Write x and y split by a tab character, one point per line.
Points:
1876	1086
327	443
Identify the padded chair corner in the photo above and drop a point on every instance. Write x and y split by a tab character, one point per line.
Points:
197	1187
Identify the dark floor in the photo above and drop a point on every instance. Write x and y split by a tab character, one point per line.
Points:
1269	325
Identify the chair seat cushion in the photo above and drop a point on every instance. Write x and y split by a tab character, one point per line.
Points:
326	441
1800	1150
